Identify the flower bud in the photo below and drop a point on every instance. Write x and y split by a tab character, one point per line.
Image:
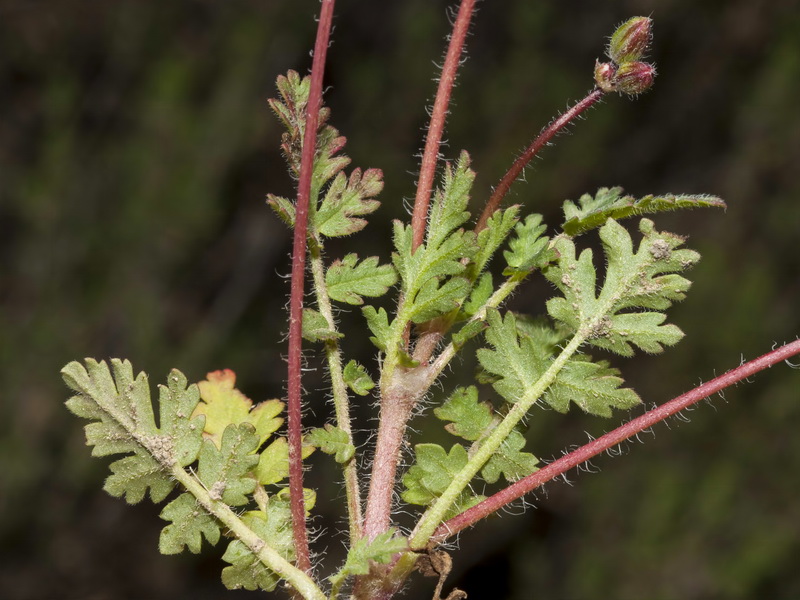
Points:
631	40
634	78
604	76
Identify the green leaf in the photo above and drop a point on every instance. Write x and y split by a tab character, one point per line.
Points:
593	386
189	523
223	404
528	249
378	323
332	440
432	472
381	550
434	300
273	463
467	332
509	461
610	203
498	227
283	207
480	295
346	200
225	471
274	526
469	418
124	423
348	280
516	362
357	378
644	279
316	327
449	207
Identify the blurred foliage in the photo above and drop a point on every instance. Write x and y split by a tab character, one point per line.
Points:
135	153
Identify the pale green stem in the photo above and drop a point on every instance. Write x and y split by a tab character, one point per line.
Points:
341	401
435	514
299	580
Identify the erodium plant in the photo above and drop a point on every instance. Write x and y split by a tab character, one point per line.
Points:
237	480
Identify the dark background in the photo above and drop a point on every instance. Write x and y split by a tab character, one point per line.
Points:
136	149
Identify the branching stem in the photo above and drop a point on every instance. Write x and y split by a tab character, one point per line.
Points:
433	139
611	439
294	409
541	140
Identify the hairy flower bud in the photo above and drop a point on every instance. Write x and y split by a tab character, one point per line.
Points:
634	78
604	76
631	40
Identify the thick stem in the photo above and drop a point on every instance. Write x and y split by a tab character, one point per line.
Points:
440	108
397	403
542	139
294	412
609	440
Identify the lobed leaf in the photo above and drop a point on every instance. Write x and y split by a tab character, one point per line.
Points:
274	526
348	280
346	200
378	323
189	523
595	210
468	418
357	378
223	404
225	471
316	327
124	423
273	463
332	440
593	386
497	230
528	249
644	279
509	461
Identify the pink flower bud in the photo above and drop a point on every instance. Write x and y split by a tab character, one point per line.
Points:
604	76
631	40
634	78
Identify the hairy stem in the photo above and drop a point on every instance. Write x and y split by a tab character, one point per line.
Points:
609	440
298	579
433	139
435	514
341	400
294	410
541	140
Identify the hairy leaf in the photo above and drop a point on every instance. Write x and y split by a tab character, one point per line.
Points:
528	249
346	200
516	362
316	327
498	227
274	526
332	440
469	418
378	323
433	300
223	404
593	386
610	203
273	464
124	423
225	471
357	378
432	472
509	461
189	523
644	279
348	280
480	295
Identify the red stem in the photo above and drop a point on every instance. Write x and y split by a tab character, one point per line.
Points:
609	440
544	137
440	109
294	412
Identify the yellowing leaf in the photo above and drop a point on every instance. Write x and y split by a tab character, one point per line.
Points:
223	405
